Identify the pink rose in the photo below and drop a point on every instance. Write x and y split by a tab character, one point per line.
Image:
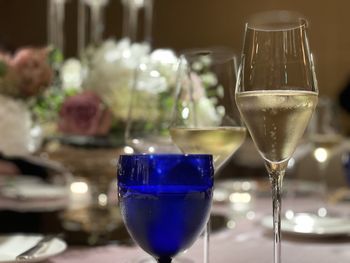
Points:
197	89
84	114
33	69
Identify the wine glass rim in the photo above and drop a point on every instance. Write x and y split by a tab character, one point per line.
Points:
166	155
217	54
276	20
269	91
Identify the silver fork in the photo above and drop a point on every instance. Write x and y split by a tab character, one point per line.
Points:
31	253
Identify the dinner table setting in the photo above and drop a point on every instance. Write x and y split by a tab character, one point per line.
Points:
242	234
132	153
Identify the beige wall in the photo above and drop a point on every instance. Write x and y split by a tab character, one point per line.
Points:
196	23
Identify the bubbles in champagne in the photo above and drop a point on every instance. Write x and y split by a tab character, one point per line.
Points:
276	119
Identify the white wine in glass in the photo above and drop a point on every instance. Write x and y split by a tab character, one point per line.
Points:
205	118
221	142
276	119
276	93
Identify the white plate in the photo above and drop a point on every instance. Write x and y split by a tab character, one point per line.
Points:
29	187
311	225
13	245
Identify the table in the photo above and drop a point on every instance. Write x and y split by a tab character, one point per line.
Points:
247	242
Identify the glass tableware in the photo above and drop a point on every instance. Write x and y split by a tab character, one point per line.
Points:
276	94
133	12
55	23
91	23
165	200
325	136
150	108
205	118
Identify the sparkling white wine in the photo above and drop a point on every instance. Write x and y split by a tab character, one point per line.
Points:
221	142
276	119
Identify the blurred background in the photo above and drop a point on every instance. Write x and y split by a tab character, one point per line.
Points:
197	23
78	109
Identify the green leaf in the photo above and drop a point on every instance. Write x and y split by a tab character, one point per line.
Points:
55	56
3	68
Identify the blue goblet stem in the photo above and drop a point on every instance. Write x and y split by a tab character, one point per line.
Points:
164	260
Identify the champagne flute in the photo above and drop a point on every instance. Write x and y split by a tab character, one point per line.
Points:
276	93
205	119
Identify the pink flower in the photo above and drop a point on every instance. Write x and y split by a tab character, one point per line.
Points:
196	91
33	69
84	114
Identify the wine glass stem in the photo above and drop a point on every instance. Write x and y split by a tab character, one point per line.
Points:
148	20
97	22
206	242
276	177
81	27
322	166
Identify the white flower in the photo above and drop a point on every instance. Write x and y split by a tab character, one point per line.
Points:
207	115
166	63
15	127
113	67
151	81
71	74
111	72
209	79
164	56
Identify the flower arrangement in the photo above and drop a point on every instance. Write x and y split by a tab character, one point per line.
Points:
112	68
23	76
96	90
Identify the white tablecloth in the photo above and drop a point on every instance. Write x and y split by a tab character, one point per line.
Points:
247	242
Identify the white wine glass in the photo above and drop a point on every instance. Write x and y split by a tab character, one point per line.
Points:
276	94
324	133
150	110
205	118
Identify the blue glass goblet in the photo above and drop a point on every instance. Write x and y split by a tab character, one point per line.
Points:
165	200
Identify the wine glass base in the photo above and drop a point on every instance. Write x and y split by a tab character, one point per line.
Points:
152	260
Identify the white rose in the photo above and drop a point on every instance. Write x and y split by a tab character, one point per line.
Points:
71	74
112	73
15	127
207	114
